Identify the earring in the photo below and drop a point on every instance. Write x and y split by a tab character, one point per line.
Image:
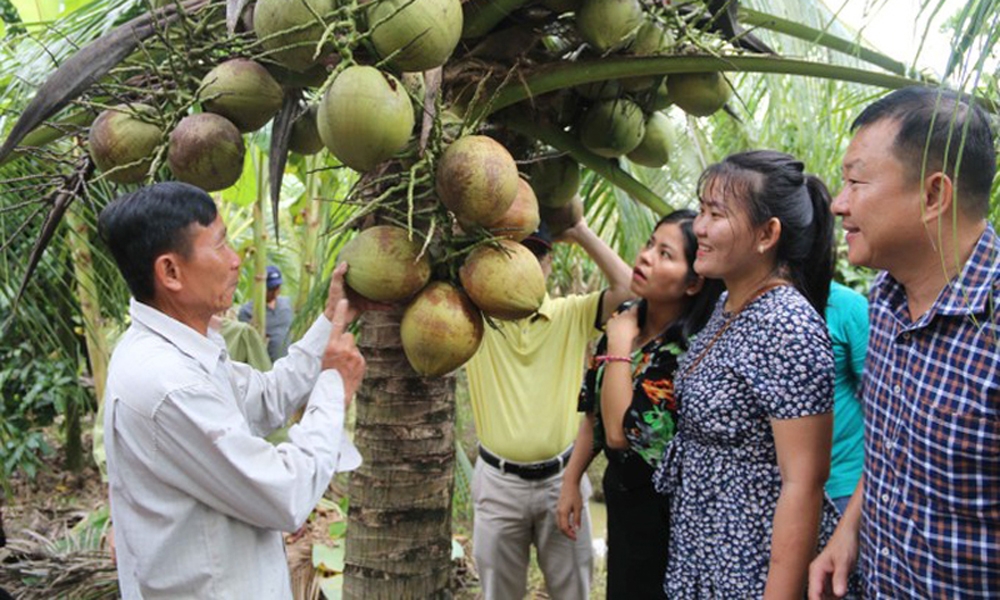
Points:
760	249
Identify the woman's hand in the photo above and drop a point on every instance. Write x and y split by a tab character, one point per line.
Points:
569	511
622	329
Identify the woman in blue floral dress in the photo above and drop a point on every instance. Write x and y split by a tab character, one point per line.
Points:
746	470
629	400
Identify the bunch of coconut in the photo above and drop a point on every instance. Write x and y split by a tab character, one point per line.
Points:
441	327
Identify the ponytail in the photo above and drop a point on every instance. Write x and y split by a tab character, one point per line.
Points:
816	271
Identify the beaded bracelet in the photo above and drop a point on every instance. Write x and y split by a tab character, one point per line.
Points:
608	358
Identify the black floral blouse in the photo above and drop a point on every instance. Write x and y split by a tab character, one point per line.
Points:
651	420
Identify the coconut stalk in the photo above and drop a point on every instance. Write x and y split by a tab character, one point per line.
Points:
90	303
259	289
399	521
314	215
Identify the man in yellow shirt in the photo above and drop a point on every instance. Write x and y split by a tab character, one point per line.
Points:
524	382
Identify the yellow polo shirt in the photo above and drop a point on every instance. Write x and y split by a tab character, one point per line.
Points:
525	378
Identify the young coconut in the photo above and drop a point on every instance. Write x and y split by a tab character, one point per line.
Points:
613	127
609	24
441	330
304	138
289	30
699	94
418	34
521	218
385	265
206	150
242	91
365	117
555	180
654	150
476	179
505	282
562	218
122	143
651	40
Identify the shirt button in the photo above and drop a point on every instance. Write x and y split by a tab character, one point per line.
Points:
885	498
884	552
889	445
896	389
906	337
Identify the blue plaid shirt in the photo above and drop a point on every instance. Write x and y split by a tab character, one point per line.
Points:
931	390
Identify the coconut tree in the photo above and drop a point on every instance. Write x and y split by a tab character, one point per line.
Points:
548	80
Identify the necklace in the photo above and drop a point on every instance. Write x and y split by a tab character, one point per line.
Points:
729	321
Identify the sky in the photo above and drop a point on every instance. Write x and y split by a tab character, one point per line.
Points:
895	27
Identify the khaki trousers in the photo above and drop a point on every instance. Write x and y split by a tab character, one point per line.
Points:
511	514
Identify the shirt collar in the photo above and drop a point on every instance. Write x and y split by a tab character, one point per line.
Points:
207	350
971	292
545	310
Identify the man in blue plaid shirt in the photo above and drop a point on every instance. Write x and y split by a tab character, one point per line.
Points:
925	518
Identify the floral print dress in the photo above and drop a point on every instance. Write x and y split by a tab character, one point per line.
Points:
773	361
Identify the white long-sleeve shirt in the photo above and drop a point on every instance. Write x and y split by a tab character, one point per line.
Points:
198	496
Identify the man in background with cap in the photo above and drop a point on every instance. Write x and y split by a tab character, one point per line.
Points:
523	383
278	316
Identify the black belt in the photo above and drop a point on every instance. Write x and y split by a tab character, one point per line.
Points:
531	471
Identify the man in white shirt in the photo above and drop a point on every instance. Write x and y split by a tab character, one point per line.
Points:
198	496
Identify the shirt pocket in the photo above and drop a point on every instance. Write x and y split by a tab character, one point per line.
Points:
955	462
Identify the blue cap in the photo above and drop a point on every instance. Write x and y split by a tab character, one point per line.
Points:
273	277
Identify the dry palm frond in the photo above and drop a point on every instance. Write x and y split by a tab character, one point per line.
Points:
35	567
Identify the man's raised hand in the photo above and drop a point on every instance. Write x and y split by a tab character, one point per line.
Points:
342	353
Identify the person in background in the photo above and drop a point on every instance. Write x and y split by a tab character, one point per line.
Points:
925	517
628	398
523	385
847	322
746	468
198	496
278	315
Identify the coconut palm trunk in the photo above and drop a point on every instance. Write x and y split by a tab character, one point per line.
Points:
399	522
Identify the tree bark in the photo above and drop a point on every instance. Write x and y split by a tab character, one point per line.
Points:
399	521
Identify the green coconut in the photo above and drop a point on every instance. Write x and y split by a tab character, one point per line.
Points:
290	32
122	144
561	218
385	265
699	94
522	218
441	330
609	24
654	150
651	40
613	127
418	34
555	180
304	137
365	117
476	179
242	91
206	150
505	282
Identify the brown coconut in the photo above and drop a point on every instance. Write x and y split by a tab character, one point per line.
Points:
120	137
385	265
477	179
522	218
441	329
206	150
562	218
242	91
505	282
555	180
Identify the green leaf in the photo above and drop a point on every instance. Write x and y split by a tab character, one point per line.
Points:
332	587
328	560
457	550
338	529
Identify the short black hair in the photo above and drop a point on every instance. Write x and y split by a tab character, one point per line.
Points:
141	226
952	130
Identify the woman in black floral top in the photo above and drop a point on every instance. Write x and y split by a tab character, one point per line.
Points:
628	396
